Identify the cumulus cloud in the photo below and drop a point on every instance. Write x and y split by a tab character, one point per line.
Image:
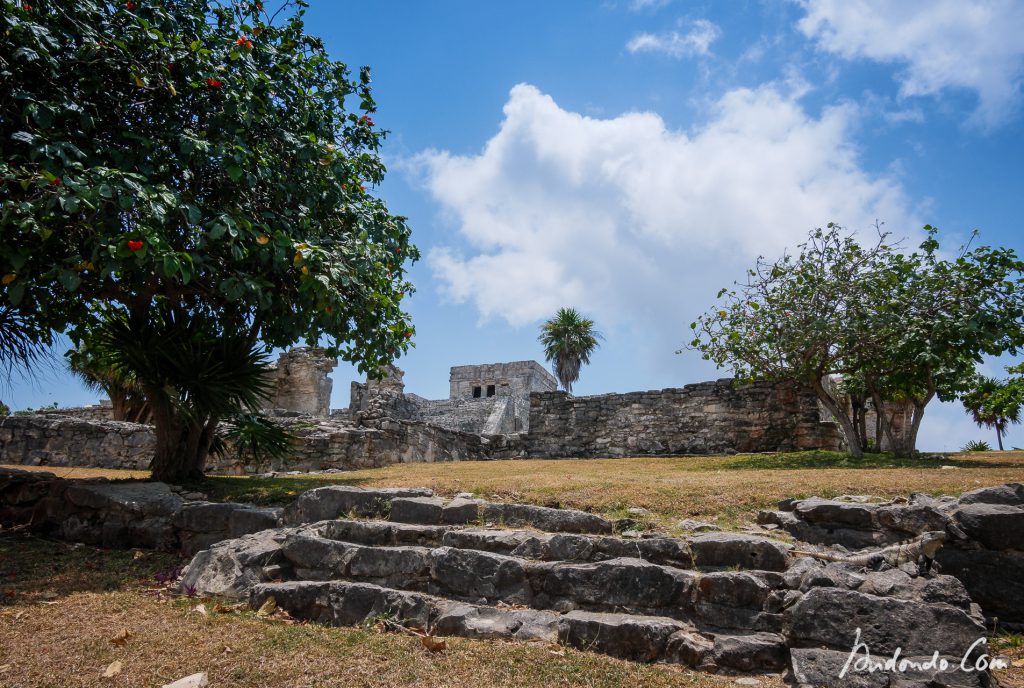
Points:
696	41
943	44
637	223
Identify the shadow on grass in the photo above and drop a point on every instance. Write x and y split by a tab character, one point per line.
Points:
263	491
37	570
829	459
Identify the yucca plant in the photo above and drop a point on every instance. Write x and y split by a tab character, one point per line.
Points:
253	435
194	373
977	446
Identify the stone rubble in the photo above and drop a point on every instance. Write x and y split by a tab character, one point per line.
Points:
720	602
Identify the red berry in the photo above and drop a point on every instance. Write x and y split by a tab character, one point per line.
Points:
408	334
56	181
134	245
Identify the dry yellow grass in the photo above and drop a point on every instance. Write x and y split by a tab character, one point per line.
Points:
56	630
64	641
730	488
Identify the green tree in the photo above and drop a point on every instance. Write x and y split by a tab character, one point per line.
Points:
92	365
196	158
569	339
995	404
856	323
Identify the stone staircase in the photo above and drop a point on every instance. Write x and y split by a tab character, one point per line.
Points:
718	602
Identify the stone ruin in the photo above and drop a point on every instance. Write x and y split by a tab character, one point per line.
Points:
494	411
302	384
732	603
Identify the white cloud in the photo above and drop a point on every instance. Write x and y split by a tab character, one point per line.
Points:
636	223
641	5
696	41
943	44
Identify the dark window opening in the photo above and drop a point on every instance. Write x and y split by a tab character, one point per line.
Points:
490	390
476	392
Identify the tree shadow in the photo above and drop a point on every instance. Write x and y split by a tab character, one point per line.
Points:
35	570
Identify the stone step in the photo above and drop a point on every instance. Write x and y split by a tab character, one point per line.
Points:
710	551
635	637
727	599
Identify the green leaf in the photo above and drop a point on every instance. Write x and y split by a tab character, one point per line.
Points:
69	279
235	172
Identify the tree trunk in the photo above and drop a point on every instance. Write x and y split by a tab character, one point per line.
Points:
181	444
847	426
999	437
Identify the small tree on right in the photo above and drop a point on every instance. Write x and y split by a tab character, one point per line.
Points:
894	325
569	339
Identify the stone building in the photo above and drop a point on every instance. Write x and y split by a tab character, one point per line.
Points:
488	399
302	384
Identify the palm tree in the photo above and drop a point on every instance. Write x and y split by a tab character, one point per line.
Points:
568	340
994	404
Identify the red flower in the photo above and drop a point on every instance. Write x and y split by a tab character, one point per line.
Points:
27	7
56	181
130	5
134	245
408	334
243	41
214	83
367	119
362	188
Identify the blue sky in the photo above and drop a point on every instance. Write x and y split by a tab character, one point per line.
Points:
631	157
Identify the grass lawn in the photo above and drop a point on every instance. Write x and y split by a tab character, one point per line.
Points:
727	488
60	605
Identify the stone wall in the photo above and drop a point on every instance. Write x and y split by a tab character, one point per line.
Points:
54	439
302	384
704	418
321	444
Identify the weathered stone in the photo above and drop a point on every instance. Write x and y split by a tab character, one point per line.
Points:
346	604
997	526
629	583
822	668
755	652
545	518
912	519
848	514
309	551
696	526
747	551
641	638
475	575
206	517
398	563
462	511
231	568
474	621
690	649
199	680
994	579
517	542
831	617
146	499
340	500
422	510
302	382
252	520
1011	493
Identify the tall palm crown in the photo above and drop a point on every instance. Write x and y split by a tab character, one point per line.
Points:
568	340
994	404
